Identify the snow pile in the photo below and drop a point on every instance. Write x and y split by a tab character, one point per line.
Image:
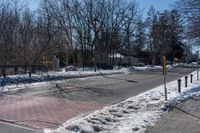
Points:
148	68
133	69
135	114
185	65
53	76
13	81
128	70
62	75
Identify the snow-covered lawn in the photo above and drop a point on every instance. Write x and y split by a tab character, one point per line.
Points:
133	115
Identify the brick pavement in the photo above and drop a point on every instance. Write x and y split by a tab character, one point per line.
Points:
40	112
185	118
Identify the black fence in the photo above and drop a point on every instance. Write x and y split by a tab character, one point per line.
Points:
21	69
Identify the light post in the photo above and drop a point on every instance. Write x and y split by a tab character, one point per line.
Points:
128	40
95	45
197	65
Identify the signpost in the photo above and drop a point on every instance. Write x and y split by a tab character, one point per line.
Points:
164	63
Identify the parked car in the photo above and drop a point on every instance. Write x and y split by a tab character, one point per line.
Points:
139	63
104	66
71	68
194	63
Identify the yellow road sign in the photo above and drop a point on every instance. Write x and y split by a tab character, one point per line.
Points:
47	62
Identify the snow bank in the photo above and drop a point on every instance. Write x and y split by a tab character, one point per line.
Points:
62	75
135	114
53	76
148	68
133	69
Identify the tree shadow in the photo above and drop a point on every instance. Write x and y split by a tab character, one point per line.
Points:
105	76
188	113
193	98
196	83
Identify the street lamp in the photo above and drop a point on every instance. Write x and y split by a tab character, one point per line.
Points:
197	65
95	45
128	39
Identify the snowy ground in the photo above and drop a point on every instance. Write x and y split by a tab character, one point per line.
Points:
52	76
133	115
63	75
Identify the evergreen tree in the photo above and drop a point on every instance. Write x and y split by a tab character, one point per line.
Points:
176	36
165	35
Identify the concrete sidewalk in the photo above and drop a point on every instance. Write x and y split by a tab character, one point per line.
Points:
184	118
12	128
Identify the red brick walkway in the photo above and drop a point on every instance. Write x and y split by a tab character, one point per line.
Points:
40	112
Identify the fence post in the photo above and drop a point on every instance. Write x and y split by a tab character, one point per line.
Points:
191	78
15	70
186	77
4	75
25	70
179	85
29	76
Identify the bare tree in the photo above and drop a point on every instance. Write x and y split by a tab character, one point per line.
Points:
190	9
151	24
88	31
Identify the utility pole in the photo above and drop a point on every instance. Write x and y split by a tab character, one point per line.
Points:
197	65
95	45
128	41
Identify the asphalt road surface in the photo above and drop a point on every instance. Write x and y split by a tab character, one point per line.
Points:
76	96
103	89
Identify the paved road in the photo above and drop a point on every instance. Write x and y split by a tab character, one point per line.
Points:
104	89
89	93
185	118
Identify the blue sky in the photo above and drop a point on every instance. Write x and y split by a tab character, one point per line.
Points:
160	5
144	5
